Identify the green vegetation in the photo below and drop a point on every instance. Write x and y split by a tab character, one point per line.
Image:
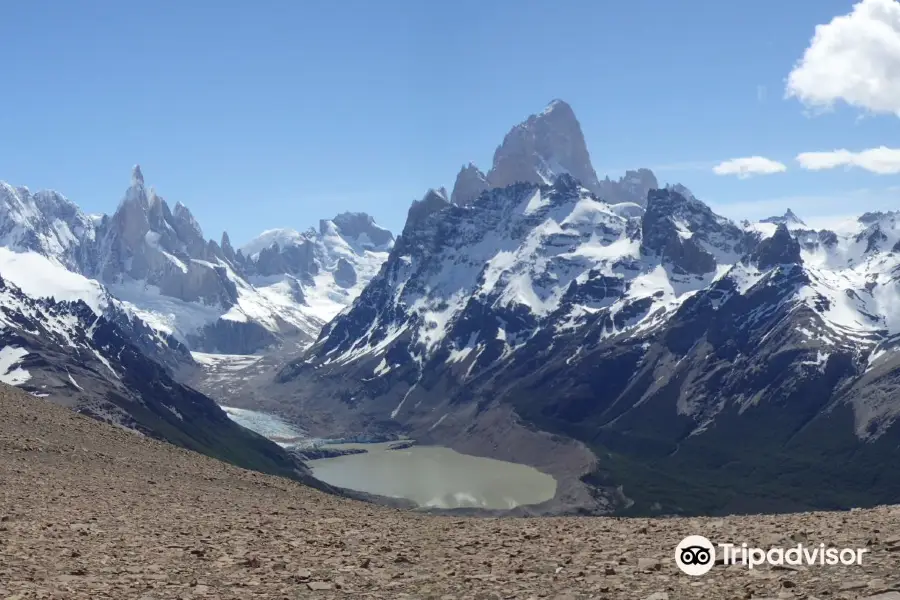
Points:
752	463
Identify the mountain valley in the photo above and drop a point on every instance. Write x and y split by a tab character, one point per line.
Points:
652	356
89	511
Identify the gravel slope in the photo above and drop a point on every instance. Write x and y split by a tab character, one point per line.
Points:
90	511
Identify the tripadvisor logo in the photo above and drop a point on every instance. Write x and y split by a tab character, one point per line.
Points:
696	555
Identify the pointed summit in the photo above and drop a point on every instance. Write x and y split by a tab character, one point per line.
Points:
558	105
433	201
227	248
789	218
543	147
470	183
780	249
137	194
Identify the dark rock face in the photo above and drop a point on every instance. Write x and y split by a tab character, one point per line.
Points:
633	187
361	228
662	233
470	183
873	237
227	249
344	274
827	238
542	147
782	248
869	218
232	337
296	259
420	210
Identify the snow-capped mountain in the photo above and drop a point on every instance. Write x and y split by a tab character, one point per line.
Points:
41	278
101	313
325	269
155	264
44	222
64	352
657	334
541	148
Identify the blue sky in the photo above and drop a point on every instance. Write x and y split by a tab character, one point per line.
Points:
279	113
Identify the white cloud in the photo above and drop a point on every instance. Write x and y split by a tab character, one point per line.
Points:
749	166
854	58
761	92
881	160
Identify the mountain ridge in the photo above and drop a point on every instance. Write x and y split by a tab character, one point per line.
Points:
544	307
157	260
610	333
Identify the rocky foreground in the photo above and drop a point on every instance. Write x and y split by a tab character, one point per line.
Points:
90	511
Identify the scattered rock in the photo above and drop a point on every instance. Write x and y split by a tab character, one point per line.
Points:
209	530
648	564
320	586
853	585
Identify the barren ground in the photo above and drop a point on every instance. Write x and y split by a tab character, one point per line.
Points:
89	511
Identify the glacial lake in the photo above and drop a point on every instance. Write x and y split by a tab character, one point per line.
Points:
430	476
435	477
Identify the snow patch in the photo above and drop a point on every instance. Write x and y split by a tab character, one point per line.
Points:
42	277
10	372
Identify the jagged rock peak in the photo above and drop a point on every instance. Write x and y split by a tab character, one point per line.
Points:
675	187
542	147
227	248
645	178
633	187
780	249
183	213
440	193
136	192
788	218
868	218
470	183
361	227
433	201
666	196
